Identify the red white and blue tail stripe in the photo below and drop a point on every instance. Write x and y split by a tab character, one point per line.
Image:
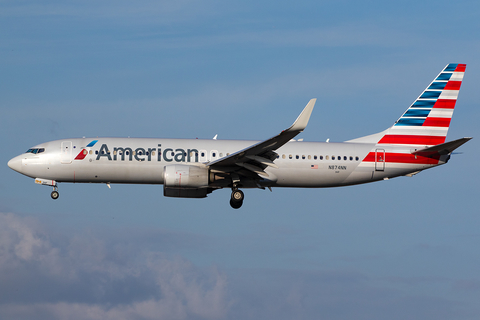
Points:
416	141
426	122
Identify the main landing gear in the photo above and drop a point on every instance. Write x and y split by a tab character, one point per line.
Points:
236	200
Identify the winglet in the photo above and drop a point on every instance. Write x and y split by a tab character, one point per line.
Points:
301	123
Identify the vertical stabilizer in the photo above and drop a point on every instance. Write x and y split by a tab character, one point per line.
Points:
426	121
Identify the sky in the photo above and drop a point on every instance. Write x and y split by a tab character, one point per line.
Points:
406	248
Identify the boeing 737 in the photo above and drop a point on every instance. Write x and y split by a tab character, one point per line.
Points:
193	168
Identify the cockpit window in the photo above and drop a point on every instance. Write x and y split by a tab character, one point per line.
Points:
35	151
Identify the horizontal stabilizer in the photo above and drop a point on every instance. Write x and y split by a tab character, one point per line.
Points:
441	149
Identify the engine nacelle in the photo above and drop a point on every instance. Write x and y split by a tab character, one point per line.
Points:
185	181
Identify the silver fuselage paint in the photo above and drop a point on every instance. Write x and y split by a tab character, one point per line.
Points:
142	161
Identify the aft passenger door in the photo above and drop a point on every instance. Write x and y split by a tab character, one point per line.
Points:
380	160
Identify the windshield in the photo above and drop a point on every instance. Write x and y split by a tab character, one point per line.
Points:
35	151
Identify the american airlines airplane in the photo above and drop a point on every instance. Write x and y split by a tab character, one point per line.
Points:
193	168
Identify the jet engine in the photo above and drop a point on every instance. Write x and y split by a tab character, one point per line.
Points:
184	181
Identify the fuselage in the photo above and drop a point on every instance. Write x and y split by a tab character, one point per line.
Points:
142	161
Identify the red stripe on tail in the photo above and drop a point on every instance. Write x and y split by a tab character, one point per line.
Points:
445	104
411	139
453	85
461	68
437	122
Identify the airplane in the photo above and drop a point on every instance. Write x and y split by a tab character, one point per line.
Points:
193	168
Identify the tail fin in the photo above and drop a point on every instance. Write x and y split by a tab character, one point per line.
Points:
427	120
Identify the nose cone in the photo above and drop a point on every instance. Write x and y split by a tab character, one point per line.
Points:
16	164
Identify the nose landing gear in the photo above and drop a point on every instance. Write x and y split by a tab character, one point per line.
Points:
236	199
55	193
51	183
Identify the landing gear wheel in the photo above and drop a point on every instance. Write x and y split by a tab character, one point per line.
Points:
235	204
237	195
54	195
236	200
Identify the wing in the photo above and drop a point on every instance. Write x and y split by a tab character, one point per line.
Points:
257	157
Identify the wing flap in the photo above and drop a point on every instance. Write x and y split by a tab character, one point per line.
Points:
263	161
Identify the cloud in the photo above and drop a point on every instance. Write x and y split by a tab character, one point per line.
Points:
48	273
50	276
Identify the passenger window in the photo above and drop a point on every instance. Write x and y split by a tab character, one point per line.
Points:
333	157
321	157
351	158
290	156
344	157
356	158
297	156
96	151
326	157
314	157
303	157
309	157
213	154
203	156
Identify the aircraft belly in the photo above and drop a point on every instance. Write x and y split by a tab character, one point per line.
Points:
312	177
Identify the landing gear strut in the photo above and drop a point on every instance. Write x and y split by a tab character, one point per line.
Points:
236	200
55	193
